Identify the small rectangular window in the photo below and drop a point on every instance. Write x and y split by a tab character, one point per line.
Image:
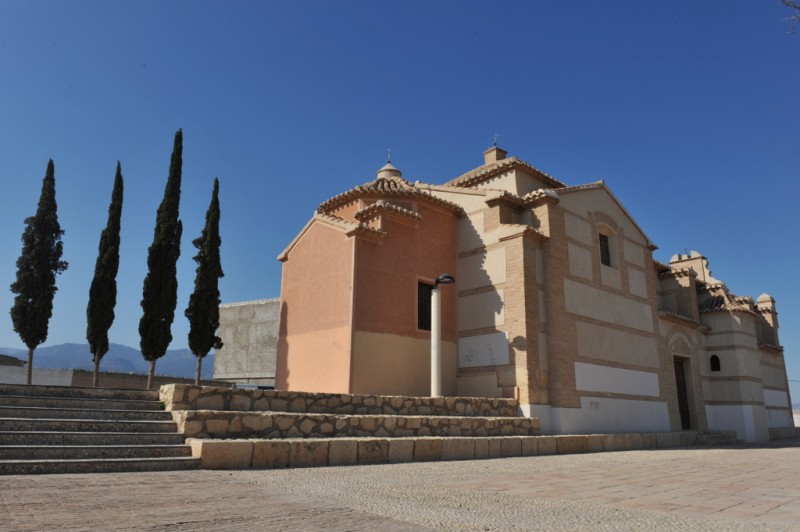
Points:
605	250
424	306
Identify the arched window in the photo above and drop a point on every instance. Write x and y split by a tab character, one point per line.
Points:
714	362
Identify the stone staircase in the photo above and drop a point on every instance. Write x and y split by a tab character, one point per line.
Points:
56	429
249	428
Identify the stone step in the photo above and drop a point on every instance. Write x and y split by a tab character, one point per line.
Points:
38	412
87	425
79	402
712	439
36	467
19	438
308	452
221	424
61	452
191	397
78	392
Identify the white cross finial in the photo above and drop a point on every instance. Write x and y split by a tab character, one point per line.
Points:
389	155
495	137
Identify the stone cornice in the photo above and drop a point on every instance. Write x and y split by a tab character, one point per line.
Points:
673	316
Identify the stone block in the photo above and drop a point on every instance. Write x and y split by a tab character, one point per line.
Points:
529	446
665	440
608	443
210	402
270	454
427	449
240	402
495	451
308	453
511	446
637	441
686	438
256	423
217	427
649	441
481	447
547	445
594	443
623	442
373	451
571	444
401	450
307	426
458	449
223	454
342	451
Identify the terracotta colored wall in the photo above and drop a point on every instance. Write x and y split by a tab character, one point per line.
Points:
316	313
387	274
388	364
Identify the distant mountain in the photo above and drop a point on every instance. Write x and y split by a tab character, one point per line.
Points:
120	358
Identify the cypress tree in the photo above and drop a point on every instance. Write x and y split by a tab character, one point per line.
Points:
160	293
103	292
37	267
203	310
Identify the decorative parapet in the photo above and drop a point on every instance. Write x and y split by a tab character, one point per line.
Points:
191	397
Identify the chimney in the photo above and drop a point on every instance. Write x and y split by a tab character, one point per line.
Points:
493	155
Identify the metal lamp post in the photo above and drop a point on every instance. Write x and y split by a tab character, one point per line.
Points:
436	334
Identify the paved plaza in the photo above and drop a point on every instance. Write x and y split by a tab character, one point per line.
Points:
742	488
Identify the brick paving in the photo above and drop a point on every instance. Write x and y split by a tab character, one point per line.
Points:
745	488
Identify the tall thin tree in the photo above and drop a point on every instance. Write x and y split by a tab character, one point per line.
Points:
37	267
203	310
103	292
160	292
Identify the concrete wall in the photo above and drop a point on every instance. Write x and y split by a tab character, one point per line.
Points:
249	332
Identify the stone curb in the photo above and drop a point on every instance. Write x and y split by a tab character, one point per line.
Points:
315	452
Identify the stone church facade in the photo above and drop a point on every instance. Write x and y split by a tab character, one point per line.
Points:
558	302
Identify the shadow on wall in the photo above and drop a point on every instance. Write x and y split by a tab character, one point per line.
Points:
480	306
281	367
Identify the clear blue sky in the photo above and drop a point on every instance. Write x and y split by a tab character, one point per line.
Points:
687	109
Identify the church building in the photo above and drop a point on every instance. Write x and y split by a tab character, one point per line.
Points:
558	302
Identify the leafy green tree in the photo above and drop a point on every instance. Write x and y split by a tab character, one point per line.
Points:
160	293
103	292
203	310
37	267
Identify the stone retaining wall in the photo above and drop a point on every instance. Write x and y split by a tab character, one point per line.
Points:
271	454
221	424
191	397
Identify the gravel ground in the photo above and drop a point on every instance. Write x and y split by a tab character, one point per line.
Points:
512	493
686	489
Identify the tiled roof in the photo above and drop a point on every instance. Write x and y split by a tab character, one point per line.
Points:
385	186
380	206
488	171
678	317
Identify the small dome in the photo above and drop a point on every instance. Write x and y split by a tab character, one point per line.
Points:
387	171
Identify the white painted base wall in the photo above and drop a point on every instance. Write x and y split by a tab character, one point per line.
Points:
749	421
779	419
601	416
49	377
